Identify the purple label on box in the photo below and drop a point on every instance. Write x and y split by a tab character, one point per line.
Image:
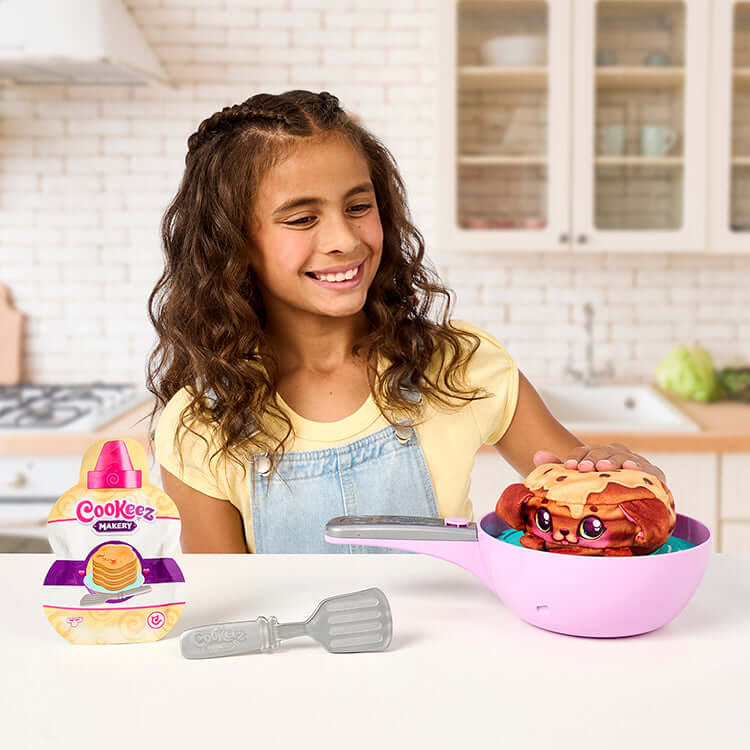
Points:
155	570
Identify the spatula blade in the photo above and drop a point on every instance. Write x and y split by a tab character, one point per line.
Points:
350	623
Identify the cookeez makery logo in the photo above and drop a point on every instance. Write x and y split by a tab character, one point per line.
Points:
120	515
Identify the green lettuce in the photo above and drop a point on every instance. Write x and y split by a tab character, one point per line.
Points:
688	372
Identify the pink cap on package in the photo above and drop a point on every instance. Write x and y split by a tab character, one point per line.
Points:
114	469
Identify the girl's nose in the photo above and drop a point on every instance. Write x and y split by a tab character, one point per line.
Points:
339	234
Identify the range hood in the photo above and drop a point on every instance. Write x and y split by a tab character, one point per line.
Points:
74	42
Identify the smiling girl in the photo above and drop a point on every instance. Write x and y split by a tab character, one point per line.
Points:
306	367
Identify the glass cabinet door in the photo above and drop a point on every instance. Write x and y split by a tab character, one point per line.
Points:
504	155
730	128
639	152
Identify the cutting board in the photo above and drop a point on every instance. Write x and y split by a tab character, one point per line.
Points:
11	331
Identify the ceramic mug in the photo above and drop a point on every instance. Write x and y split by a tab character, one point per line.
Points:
613	139
656	140
656	58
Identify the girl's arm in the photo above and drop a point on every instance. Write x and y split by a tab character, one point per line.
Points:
209	524
533	428
535	437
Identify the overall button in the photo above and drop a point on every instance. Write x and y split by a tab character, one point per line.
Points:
263	464
414	396
403	433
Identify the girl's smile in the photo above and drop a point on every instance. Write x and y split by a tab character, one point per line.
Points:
340	278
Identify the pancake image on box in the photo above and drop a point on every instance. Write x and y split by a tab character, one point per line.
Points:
114	566
114	534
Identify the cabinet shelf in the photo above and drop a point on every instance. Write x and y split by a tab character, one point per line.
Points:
639	161
741	161
742	77
639	77
482	76
525	142
530	160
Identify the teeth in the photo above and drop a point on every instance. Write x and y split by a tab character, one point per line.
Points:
337	276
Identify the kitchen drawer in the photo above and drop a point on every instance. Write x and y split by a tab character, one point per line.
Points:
735	537
28	477
735	496
693	481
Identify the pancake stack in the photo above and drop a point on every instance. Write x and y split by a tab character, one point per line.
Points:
114	566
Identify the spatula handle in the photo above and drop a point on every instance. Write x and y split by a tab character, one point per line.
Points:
229	639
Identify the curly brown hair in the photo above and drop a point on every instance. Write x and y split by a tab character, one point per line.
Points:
207	308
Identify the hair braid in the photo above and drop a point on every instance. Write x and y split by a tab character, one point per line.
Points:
226	119
330	102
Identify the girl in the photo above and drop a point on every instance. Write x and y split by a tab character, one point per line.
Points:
302	369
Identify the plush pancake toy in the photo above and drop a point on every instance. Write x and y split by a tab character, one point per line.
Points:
613	512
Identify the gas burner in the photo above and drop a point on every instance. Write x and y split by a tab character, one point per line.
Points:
73	408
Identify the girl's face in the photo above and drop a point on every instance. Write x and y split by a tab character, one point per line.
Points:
332	229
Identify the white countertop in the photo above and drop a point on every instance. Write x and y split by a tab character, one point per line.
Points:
462	670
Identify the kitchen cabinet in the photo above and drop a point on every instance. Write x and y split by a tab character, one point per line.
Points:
504	130
729	197
693	481
735	498
594	140
735	502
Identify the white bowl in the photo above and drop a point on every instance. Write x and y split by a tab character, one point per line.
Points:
514	50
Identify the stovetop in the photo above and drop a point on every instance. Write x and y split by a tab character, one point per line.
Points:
65	408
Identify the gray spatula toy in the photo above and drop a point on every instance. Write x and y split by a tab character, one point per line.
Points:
344	624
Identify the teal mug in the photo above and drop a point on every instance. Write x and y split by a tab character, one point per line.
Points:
656	59
657	140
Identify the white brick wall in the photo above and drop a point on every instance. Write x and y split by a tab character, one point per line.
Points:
86	172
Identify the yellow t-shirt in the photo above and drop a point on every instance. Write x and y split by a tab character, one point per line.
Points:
449	438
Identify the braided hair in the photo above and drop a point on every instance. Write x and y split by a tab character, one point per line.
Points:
252	109
207	309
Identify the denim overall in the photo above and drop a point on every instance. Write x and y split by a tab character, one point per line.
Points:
384	473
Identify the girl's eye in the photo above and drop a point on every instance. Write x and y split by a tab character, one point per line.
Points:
297	222
591	528
543	520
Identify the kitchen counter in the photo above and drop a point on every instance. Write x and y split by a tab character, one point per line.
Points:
725	428
461	671
133	423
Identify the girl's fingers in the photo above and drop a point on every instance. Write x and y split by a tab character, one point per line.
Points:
576	455
601	458
590	460
618	460
546	457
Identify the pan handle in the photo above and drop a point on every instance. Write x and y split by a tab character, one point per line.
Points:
451	539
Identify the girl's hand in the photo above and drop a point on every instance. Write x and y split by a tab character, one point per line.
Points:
601	458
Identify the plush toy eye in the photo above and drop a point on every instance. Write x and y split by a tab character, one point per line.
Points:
591	528
543	520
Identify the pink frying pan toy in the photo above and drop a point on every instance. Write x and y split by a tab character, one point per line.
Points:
597	597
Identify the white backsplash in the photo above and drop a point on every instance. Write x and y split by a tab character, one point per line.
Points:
86	173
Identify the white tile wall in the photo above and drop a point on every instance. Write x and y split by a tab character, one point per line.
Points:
86	172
